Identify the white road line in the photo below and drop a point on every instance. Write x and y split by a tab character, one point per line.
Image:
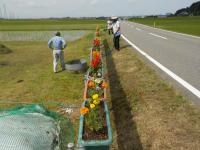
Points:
158	36
138	29
185	84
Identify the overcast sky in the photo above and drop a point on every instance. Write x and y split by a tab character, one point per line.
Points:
90	8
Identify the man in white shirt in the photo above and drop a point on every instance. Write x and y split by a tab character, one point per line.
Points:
116	32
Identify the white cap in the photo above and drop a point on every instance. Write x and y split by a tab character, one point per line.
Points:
114	17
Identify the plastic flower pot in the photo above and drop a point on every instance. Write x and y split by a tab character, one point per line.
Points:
85	96
96	144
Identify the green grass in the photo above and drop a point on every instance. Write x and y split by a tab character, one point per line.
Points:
188	25
50	24
28	74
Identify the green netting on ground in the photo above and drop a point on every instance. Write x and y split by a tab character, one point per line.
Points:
33	127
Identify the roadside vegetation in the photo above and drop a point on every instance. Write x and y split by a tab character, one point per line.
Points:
188	25
147	112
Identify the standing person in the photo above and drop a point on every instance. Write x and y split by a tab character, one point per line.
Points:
116	32
109	26
57	44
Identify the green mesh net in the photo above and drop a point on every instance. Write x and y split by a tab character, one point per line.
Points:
32	127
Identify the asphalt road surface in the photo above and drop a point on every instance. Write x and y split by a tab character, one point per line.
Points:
177	55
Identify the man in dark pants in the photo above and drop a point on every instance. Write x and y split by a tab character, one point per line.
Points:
116	32
109	26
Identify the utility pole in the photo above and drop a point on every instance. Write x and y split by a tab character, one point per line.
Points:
154	23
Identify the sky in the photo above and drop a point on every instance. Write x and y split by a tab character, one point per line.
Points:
88	8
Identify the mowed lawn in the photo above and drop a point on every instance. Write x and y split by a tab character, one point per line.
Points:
188	25
26	74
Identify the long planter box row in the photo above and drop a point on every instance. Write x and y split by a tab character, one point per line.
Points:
95	144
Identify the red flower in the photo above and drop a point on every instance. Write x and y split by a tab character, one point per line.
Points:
96	42
95	63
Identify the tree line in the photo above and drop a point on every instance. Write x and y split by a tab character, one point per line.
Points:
193	10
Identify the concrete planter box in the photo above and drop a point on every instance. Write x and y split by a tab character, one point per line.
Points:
96	144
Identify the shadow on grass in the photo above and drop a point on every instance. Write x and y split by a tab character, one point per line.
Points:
4	49
125	46
127	135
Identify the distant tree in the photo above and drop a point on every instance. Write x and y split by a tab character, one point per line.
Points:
182	12
193	10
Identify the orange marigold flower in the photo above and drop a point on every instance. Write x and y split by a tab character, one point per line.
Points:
84	110
96	54
91	84
104	85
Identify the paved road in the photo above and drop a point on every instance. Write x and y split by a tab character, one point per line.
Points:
177	52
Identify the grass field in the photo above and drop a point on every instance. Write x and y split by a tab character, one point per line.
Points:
50	24
188	25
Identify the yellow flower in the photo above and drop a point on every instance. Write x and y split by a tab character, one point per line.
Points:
92	105
96	101
95	96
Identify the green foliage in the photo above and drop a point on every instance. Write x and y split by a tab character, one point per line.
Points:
96	72
94	119
92	91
